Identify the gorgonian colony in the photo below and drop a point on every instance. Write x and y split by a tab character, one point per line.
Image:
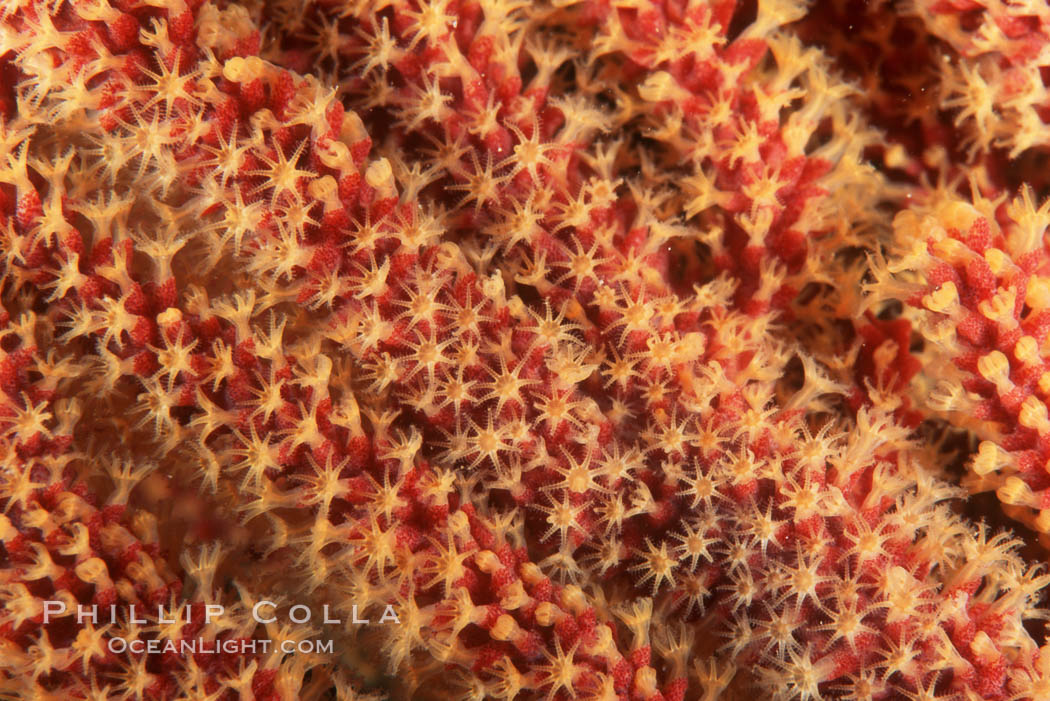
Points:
626	349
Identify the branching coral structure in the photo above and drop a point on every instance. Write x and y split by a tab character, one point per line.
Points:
486	349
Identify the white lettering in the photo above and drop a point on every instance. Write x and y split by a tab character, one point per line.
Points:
212	610
389	615
56	608
306	618
255	612
136	620
160	615
81	615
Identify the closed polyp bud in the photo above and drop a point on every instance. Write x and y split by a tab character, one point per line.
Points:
645	682
323	188
1000	308
336	155
995	368
658	87
546	613
952	250
243	70
504	628
487	561
996	260
531	573
380	176
987	459
1016	492
93	571
1027	350
944	299
572	598
1033	415
169	317
1037	294
513	596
